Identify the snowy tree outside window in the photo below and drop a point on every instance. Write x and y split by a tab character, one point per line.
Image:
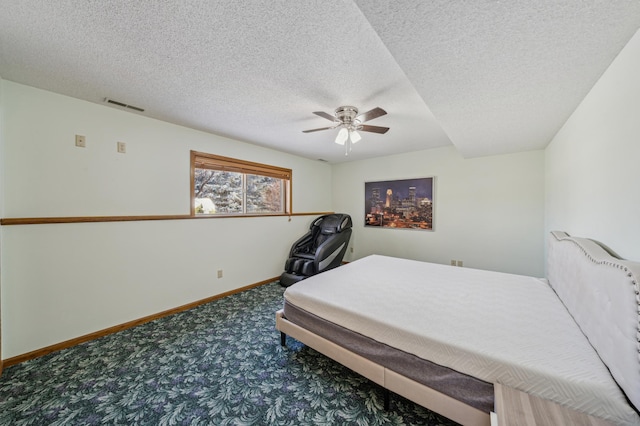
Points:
225	186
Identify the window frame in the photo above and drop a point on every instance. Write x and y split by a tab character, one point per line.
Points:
202	160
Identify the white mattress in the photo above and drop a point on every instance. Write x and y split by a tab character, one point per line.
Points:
497	327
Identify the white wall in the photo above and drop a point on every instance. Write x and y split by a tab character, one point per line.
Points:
61	281
49	176
593	163
489	211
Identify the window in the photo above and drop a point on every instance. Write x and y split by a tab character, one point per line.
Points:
226	186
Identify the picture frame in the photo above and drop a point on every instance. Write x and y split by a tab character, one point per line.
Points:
399	204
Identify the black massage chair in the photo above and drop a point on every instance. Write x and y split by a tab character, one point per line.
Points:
320	249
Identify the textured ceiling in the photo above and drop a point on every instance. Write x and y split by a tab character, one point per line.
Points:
489	77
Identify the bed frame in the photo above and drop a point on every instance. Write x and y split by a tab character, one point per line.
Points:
388	379
605	285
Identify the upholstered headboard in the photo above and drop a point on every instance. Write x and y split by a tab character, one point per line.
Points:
602	294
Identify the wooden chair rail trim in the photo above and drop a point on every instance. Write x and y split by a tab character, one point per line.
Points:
95	335
86	219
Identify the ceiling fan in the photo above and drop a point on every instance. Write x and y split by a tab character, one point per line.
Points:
350	121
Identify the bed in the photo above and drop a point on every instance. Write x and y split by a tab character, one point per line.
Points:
443	336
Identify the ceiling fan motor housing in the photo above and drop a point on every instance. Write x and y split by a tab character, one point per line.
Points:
346	114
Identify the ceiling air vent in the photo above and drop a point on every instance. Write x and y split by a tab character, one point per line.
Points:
123	105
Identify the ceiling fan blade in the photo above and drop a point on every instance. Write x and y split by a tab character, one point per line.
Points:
370	115
325	115
374	129
321	128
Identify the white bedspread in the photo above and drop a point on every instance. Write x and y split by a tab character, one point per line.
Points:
497	327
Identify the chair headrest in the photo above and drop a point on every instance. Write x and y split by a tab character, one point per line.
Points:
332	223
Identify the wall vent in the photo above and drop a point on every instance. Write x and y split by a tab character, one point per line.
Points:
123	105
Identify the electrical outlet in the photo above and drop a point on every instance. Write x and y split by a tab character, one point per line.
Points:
81	141
219	273
122	147
459	262
453	263
351	249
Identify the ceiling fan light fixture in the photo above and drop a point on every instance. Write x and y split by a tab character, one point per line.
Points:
342	137
354	136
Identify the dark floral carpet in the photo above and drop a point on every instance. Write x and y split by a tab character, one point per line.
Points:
218	364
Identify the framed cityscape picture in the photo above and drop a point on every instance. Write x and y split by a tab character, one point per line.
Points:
399	204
